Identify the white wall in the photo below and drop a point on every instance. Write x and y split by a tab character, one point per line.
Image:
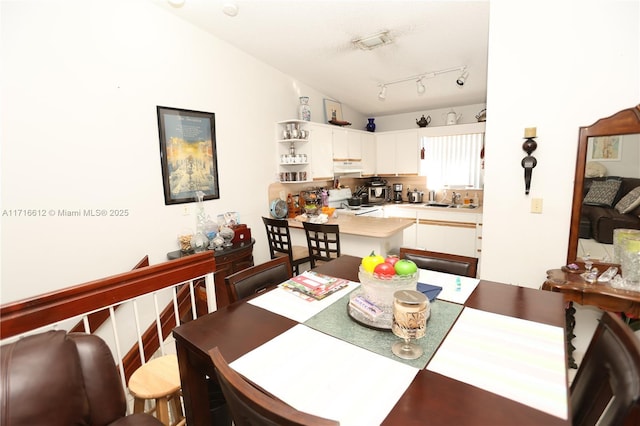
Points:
81	81
403	121
629	164
80	85
554	65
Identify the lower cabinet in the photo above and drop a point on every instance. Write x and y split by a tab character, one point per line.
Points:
227	264
454	232
441	230
454	238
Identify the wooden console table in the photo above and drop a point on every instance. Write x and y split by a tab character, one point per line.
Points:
574	288
228	261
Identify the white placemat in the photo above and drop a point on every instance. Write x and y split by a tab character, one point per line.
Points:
514	358
451	292
288	305
328	377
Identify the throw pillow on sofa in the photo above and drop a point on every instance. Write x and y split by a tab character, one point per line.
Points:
602	193
629	202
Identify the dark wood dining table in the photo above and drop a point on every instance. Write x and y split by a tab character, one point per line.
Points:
430	399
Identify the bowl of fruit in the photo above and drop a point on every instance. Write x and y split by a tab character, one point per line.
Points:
380	277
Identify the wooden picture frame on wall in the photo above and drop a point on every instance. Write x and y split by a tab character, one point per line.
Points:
332	110
188	154
604	148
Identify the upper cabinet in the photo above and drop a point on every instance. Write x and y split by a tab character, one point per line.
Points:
321	140
347	145
310	151
369	154
347	152
397	153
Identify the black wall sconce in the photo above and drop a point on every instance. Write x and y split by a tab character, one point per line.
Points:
529	162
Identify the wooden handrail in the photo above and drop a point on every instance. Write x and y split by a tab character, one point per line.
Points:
96	319
38	311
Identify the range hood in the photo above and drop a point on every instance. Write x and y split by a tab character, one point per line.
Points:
352	168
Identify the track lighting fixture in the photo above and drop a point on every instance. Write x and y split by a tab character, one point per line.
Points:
383	92
463	78
420	87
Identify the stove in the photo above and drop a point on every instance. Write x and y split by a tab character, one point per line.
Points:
338	199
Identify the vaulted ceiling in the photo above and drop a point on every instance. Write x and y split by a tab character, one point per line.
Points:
311	40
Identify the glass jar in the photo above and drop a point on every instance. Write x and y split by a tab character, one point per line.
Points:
184	240
199	242
227	234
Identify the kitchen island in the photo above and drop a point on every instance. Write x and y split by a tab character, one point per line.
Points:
360	235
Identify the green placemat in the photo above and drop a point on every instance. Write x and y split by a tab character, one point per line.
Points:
335	322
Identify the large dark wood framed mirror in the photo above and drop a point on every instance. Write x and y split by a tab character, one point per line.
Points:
609	149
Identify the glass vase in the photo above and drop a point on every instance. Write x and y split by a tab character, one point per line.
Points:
371	126
304	111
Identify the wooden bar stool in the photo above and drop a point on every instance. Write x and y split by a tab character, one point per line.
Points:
159	380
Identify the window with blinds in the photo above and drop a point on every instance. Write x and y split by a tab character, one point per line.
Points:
452	161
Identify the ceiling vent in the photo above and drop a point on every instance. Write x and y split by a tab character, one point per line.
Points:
373	41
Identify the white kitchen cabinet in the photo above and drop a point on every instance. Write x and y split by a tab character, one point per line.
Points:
347	145
369	154
397	153
321	141
448	232
347	151
386	154
407	153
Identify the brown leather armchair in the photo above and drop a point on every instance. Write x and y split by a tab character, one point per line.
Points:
55	378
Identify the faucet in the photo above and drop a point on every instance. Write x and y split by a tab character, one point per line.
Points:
455	198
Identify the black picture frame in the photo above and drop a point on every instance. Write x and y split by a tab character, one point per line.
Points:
188	154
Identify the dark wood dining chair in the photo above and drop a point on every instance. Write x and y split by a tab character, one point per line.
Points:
279	239
323	241
258	278
606	388
250	406
442	262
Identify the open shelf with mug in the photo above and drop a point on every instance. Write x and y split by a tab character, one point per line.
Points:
293	151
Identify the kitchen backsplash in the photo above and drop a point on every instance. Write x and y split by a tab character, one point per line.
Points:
279	190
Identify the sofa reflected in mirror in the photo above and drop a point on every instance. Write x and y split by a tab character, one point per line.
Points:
607	185
609	203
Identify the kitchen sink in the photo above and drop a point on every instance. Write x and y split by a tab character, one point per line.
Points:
439	205
450	206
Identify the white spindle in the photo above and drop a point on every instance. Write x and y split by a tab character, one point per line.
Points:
158	324
143	357
114	326
192	295
176	312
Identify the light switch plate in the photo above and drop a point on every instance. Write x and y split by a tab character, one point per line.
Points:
536	205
